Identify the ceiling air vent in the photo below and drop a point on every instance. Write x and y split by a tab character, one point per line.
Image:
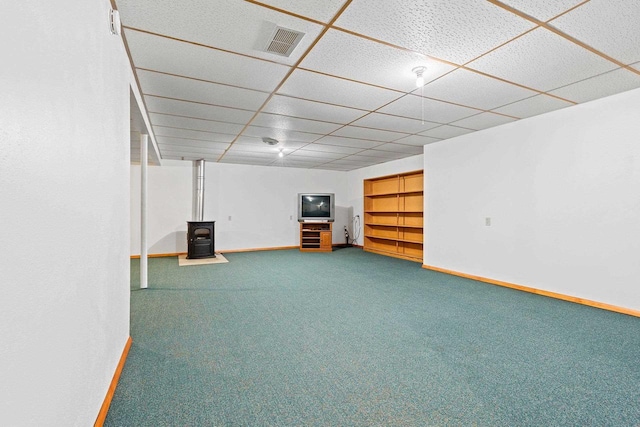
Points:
283	41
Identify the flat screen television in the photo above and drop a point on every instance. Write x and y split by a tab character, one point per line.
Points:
316	207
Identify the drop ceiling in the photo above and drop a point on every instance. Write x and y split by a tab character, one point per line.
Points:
346	96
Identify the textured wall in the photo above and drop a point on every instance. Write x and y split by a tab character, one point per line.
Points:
64	221
260	200
169	199
561	190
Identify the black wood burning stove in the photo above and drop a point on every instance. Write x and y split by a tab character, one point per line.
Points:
200	239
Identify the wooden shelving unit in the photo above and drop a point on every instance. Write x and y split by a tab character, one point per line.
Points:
393	215
316	236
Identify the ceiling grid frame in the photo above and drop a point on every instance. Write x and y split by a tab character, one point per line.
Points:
297	132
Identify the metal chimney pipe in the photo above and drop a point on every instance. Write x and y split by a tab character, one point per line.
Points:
199	195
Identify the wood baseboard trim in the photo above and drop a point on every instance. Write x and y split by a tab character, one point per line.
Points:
159	255
549	294
102	415
277	248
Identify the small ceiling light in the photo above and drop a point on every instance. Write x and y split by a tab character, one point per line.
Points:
270	141
419	71
280	154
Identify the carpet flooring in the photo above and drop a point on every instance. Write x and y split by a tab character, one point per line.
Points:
349	338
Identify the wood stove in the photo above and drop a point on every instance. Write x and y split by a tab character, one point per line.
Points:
200	239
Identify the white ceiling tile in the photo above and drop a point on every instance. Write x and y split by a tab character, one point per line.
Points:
172	149
334	167
246	160
332	148
359	59
606	84
348	142
184	59
365	159
301	108
189	134
347	162
181	142
237	154
394	123
195	124
429	109
446	132
293	123
293	161
417	140
475	90
242	149
282	135
400	148
543	61
454	30
390	155
190	157
317	156
484	121
194	90
303	152
609	26
542	10
368	133
333	90
231	25
322	11
285	144
533	106
197	110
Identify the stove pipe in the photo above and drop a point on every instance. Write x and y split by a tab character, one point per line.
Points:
199	190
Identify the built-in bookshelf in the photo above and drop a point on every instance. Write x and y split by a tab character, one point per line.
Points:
393	215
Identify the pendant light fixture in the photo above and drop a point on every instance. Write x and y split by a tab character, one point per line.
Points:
419	72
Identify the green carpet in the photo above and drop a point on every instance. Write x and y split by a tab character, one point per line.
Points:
349	338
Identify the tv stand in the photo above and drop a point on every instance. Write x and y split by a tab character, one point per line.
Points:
316	236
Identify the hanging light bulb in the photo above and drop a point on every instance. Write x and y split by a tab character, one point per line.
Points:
419	72
280	154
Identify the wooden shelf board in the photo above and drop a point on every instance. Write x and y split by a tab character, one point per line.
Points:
394	239
420	227
391	211
395	254
394	193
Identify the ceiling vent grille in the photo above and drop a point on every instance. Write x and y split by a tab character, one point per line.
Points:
283	41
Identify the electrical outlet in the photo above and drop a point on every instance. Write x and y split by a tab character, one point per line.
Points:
229	217
290	217
487	221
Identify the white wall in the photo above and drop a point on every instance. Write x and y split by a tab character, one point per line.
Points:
261	202
64	174
562	192
356	188
169	198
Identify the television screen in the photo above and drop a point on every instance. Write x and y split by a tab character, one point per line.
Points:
315	207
